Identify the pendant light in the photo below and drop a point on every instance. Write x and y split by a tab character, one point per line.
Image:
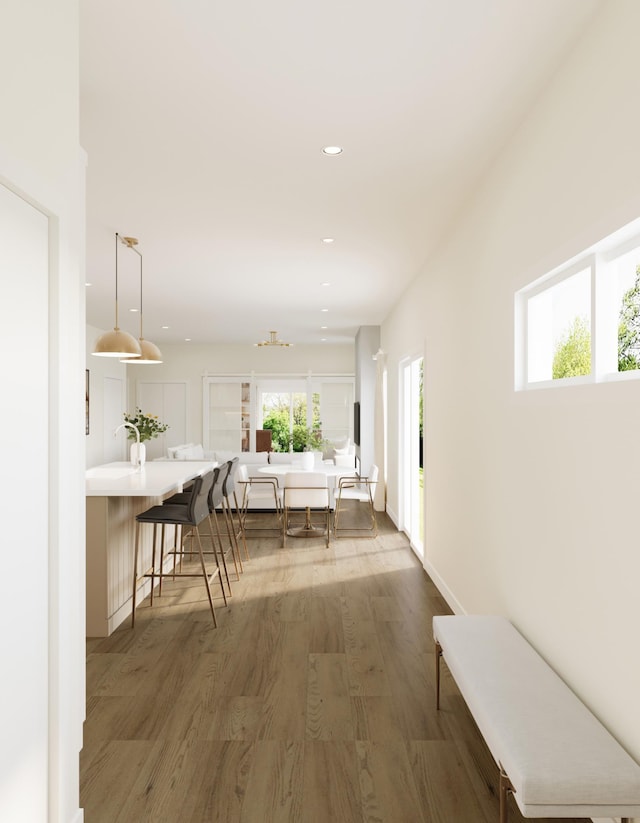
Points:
150	353
117	343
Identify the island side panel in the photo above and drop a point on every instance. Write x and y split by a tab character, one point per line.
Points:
111	529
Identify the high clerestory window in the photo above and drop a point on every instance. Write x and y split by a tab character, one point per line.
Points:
580	323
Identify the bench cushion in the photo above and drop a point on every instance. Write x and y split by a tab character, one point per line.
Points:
559	758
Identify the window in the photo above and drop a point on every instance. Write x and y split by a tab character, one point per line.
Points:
581	322
293	407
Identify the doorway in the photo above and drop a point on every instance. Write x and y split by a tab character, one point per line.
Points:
411	452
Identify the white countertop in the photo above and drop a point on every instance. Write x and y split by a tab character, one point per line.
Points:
153	480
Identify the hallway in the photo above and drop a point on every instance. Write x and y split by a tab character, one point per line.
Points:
312	702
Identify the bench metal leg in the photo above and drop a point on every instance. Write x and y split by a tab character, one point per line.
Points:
505	788
438	656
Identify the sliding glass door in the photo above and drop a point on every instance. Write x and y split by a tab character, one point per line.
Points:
411	452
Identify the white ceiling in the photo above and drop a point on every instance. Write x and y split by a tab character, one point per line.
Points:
204	123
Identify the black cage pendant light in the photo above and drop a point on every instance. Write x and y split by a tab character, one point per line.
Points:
117	343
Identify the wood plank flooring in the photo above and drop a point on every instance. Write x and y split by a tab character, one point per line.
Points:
312	702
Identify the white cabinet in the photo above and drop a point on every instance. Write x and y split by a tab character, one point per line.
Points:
169	401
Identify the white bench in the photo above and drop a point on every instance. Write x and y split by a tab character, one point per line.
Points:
554	756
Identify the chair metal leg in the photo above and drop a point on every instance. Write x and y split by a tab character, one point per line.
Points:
135	575
241	527
438	658
213	514
233	539
161	560
206	578
372	530
505	788
215	557
153	562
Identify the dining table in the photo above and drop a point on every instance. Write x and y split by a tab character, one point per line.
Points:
333	473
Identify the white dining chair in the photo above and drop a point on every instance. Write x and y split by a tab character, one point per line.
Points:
263	491
309	492
362	490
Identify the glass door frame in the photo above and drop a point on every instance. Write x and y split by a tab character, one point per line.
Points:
411	507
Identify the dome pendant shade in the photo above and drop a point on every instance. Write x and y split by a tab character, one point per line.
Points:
117	343
150	354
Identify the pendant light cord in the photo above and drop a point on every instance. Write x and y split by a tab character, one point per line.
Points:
116	326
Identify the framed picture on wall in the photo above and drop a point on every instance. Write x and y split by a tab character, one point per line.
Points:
86	402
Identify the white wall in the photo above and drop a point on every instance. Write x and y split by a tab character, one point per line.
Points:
532	498
42	605
101	369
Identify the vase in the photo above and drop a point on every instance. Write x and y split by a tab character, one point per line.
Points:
308	460
138	454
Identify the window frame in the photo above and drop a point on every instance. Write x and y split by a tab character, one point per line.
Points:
604	313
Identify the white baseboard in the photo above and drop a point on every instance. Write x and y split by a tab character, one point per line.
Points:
442	587
394	517
444	590
78	817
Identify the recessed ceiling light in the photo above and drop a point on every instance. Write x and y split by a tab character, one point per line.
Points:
133	310
324	309
187	340
324	327
328	239
326	283
323	339
332	150
88	284
165	327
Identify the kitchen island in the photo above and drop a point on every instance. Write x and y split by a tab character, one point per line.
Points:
115	494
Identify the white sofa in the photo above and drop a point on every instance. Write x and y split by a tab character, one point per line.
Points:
188	451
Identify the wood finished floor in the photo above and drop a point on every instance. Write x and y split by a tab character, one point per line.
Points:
312	702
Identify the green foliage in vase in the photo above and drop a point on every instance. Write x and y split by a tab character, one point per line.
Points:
147	424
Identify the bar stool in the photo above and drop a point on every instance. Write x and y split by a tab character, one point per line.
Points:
214	501
191	513
217	504
229	490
